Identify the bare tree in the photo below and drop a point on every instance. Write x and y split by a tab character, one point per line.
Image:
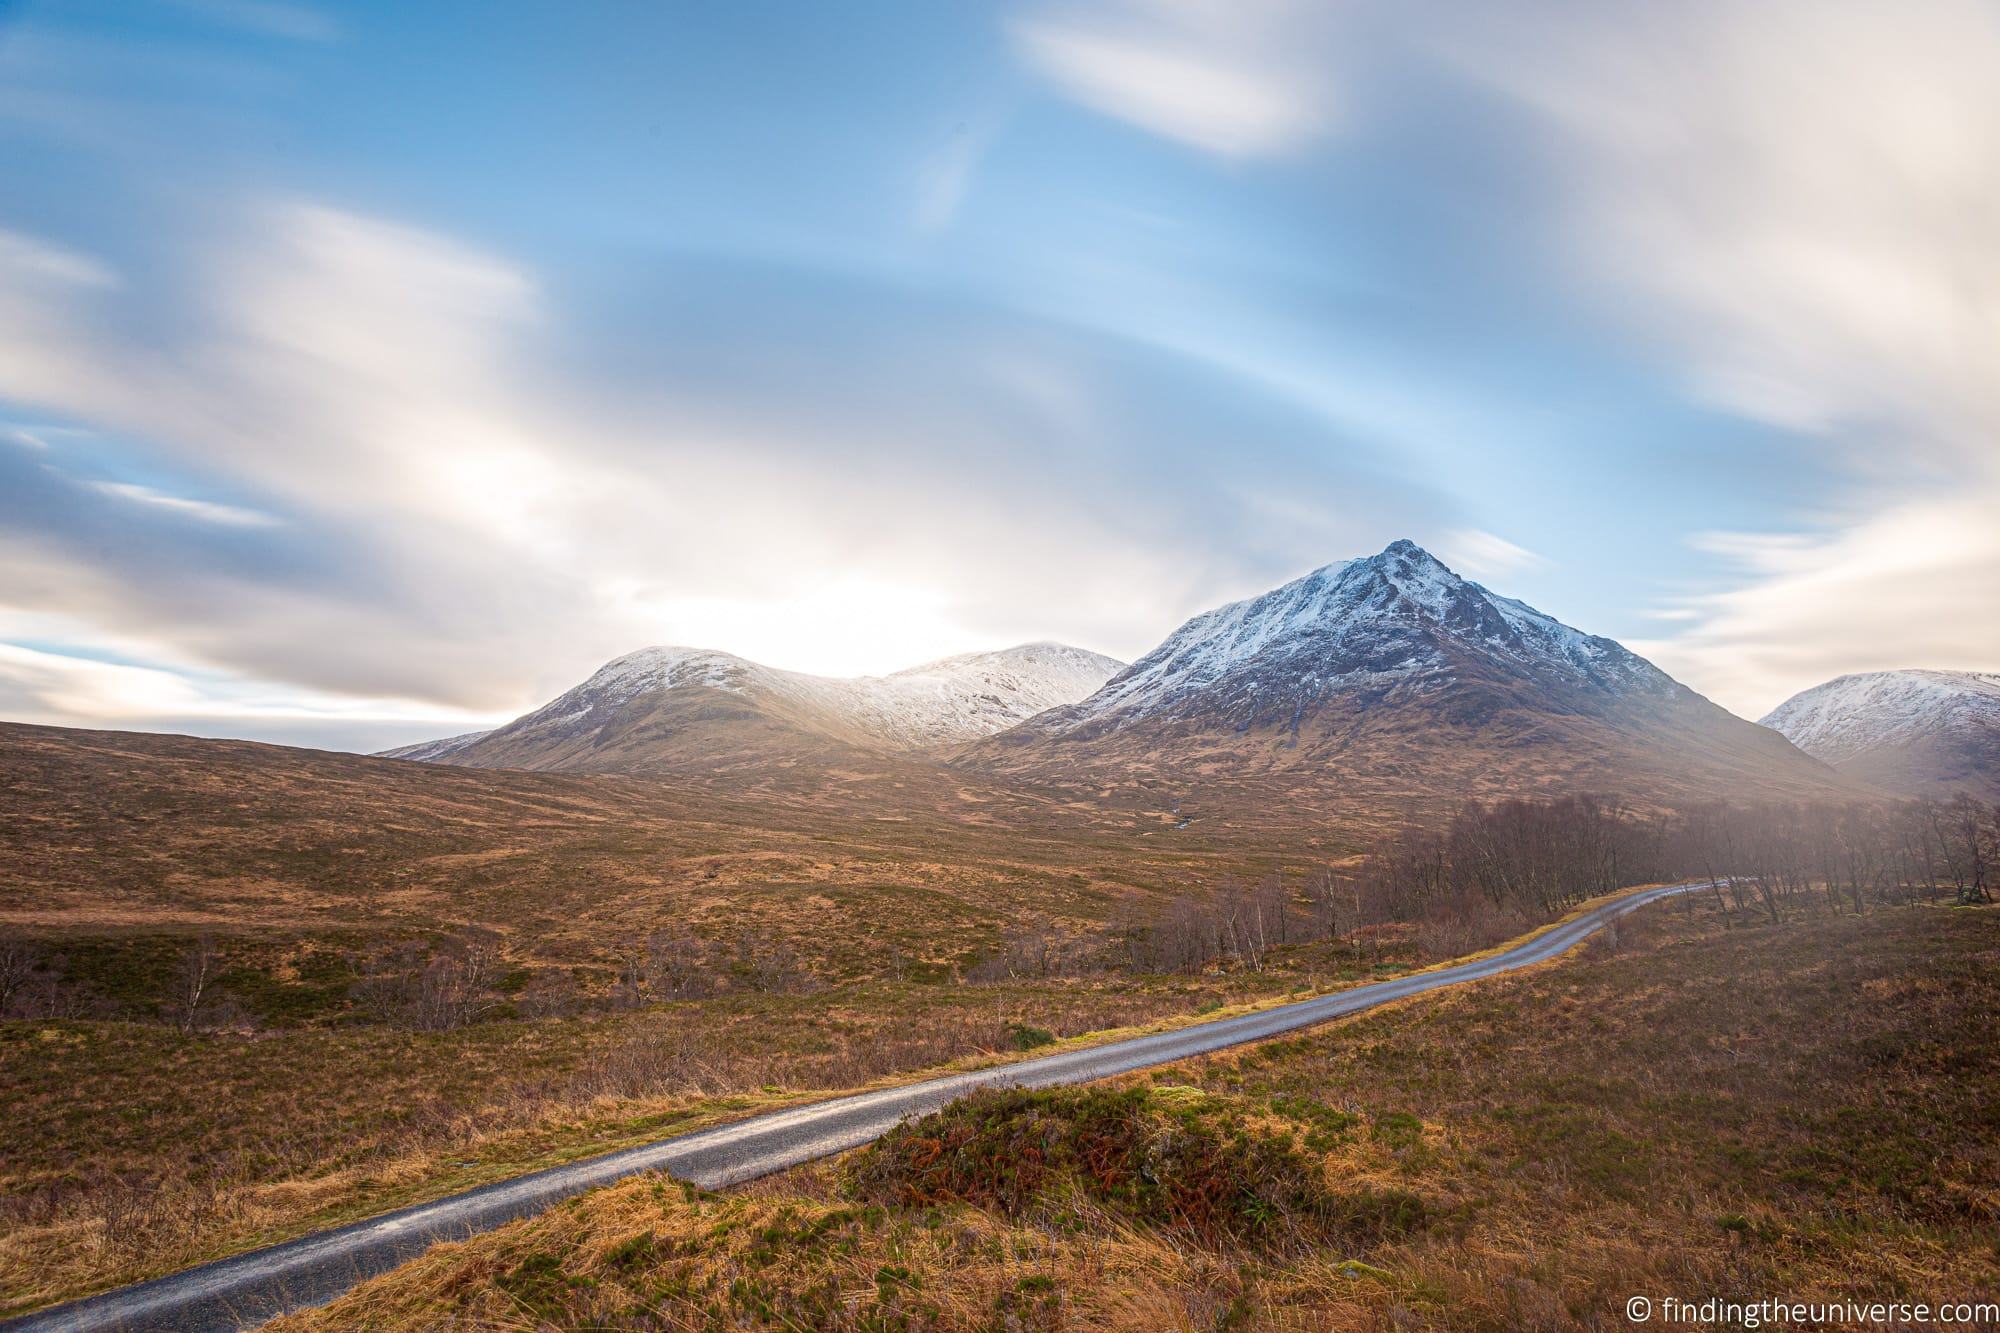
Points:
194	975
18	965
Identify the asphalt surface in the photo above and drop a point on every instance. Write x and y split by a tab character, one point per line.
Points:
247	1289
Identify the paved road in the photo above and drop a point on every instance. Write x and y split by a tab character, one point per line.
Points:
248	1289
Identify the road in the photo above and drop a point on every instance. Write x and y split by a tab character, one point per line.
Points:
247	1289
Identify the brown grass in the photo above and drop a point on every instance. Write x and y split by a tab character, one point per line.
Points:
1804	1111
305	1127
108	834
132	1149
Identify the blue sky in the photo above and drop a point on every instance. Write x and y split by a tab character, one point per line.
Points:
374	370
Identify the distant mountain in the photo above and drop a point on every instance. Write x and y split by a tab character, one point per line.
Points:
434	752
1920	733
690	708
1391	679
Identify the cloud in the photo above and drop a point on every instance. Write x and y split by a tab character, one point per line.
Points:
1484	555
366	459
945	177
1801	193
476	476
1230	77
1911	586
1794	202
207	511
1788	205
29	262
65	685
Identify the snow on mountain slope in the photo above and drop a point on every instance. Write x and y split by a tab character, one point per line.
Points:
434	752
1359	623
1387	680
951	700
1919	732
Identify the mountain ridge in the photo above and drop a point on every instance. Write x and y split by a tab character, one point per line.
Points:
664	706
1393	675
1914	731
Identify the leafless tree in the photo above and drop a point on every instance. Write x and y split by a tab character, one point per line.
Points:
193	977
18	965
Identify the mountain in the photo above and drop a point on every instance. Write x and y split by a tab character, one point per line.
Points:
434	752
1919	733
1391	680
690	708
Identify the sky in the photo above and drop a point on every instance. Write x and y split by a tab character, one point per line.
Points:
375	371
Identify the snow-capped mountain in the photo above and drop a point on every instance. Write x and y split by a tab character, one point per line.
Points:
1918	732
1365	625
663	707
434	752
1395	674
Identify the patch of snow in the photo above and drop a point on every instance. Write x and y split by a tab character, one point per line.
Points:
430	752
950	700
1364	624
1871	710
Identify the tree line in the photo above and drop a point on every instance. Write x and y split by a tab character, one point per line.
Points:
1496	869
1487	873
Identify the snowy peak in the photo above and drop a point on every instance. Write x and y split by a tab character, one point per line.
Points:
1398	614
434	752
1848	714
1386	682
1914	731
668	692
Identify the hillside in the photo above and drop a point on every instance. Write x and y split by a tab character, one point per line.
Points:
1916	733
129	832
694	710
1687	1111
1388	682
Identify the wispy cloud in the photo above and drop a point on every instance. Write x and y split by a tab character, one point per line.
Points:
1795	202
980	399
30	260
1909	586
435	504
207	511
1487	555
1242	79
946	176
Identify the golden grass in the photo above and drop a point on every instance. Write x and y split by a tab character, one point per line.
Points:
1802	1111
304	1128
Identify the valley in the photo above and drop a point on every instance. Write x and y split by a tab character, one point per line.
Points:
693	890
1690	1109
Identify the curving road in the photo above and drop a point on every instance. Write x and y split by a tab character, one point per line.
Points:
247	1289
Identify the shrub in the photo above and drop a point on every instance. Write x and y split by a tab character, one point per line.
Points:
1193	1165
1027	1038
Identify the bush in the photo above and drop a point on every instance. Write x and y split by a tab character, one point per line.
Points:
1191	1164
1027	1038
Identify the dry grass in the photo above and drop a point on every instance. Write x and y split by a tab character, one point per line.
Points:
311	1126
118	836
133	1149
1801	1111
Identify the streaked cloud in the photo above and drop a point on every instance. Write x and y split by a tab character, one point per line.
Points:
207	511
1241	79
1794	201
1910	586
28	261
431	508
1485	554
902	353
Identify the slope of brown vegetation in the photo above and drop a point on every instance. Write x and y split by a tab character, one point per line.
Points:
109	832
1799	1111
